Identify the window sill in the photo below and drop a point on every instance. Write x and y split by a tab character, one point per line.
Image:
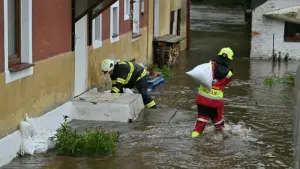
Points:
296	39
18	71
115	35
97	44
19	67
114	38
126	17
135	36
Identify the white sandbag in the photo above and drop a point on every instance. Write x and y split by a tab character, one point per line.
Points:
202	74
34	125
27	146
51	142
42	141
40	144
35	139
25	129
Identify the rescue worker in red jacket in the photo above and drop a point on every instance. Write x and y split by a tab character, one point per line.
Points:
128	75
210	103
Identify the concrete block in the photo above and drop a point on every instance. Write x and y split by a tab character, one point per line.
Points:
107	107
87	97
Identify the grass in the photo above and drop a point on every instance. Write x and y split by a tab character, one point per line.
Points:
166	71
91	142
289	79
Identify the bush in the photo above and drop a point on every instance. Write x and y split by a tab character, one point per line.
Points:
166	71
91	142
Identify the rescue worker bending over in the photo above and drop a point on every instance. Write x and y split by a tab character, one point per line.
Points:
210	103
128	75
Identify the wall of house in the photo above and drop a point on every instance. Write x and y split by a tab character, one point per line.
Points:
125	48
51	24
166	6
1	37
150	30
164	17
263	29
183	30
52	81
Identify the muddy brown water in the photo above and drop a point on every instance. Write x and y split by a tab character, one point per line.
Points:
157	142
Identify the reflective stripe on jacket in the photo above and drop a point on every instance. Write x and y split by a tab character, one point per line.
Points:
126	74
213	97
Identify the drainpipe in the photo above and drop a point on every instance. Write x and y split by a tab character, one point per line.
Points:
273	52
73	26
188	30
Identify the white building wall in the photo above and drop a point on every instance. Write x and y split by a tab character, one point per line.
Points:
263	29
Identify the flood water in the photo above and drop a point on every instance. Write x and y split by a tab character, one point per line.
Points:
265	141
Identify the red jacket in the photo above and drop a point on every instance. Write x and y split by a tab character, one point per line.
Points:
217	85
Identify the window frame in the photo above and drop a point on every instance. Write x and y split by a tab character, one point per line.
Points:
135	16
127	9
142	7
290	39
12	60
114	38
97	43
25	67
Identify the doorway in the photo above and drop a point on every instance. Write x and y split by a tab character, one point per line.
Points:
81	72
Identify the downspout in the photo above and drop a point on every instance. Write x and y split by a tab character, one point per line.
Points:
73	25
188	30
147	21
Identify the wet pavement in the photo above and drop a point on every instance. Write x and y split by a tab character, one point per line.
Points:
160	138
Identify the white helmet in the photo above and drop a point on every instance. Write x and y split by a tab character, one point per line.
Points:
107	65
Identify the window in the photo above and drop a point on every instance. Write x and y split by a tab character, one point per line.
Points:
97	32
136	20
291	32
17	53
172	21
126	9
14	54
178	21
156	18
142	7
114	22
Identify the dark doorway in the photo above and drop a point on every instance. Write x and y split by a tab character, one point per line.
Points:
178	21
172	19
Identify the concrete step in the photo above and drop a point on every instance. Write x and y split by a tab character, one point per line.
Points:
166	116
98	106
